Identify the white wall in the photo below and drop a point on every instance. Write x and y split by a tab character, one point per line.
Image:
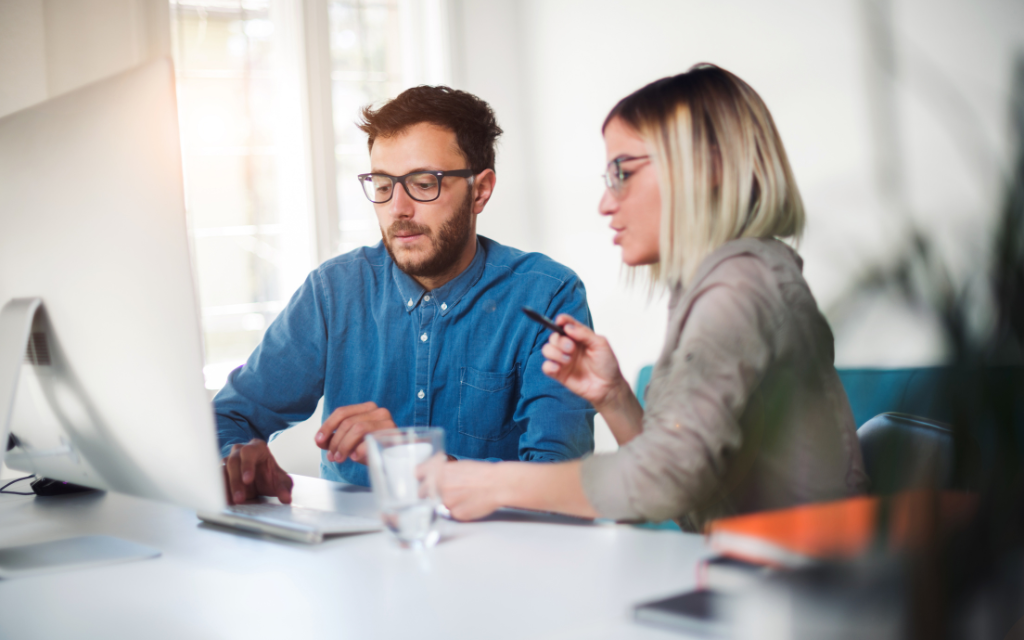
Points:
489	58
22	54
49	47
553	68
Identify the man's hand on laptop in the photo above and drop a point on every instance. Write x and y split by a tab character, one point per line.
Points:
341	435
250	471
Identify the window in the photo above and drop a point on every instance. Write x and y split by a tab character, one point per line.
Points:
245	207
250	81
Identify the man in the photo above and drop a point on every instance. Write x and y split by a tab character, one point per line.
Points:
424	329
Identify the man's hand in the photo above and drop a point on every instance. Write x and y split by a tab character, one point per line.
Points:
250	471
342	432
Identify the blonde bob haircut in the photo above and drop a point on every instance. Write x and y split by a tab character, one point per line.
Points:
722	170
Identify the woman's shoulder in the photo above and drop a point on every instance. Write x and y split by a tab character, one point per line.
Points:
752	256
768	276
761	277
754	265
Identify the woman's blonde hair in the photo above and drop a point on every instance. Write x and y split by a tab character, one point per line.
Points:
722	168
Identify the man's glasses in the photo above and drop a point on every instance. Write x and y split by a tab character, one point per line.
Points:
422	186
615	176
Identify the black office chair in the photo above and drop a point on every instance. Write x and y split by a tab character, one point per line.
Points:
902	451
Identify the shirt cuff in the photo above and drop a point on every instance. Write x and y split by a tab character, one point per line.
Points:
603	479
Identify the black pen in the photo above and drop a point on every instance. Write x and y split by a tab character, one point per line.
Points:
544	320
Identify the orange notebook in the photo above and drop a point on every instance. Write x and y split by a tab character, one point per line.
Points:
838	530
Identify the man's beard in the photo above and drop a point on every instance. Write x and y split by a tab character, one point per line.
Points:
447	246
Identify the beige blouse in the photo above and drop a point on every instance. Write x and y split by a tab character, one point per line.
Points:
745	410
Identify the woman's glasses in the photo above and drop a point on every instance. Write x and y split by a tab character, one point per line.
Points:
615	176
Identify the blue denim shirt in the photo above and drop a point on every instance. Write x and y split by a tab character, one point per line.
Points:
463	357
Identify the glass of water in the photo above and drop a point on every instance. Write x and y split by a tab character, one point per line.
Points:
404	464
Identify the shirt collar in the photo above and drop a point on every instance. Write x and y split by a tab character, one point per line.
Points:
446	296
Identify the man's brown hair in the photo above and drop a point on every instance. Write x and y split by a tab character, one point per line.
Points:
467	116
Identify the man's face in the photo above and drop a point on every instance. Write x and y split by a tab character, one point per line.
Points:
426	239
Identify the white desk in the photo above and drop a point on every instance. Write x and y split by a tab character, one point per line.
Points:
492	579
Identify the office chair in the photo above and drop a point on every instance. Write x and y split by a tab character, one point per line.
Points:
902	451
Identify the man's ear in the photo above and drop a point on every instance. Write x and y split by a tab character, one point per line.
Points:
483	187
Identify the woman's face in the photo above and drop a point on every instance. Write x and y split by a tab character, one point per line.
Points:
635	208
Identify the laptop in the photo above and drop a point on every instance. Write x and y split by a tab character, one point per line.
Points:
292	522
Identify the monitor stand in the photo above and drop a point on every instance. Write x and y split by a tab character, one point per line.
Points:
16	320
81	552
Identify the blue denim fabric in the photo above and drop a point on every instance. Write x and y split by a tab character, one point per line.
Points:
360	329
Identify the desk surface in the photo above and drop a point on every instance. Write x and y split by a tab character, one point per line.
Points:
507	577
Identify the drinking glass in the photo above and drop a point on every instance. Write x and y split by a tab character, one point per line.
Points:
404	464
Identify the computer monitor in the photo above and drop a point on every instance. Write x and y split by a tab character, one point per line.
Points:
109	387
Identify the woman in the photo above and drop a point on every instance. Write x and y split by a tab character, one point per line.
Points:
745	410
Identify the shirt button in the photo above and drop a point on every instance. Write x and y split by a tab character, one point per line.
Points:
421	395
409	304
423	338
426	298
444	306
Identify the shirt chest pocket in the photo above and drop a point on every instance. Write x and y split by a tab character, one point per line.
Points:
487	401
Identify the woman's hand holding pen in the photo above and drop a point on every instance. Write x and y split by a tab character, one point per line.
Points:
585	364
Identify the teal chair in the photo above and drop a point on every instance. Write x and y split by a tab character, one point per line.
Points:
914	391
642	381
927	392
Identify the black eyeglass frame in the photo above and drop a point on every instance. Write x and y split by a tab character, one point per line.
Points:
620	175
455	173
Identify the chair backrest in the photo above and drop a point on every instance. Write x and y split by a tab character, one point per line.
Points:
915	391
902	451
